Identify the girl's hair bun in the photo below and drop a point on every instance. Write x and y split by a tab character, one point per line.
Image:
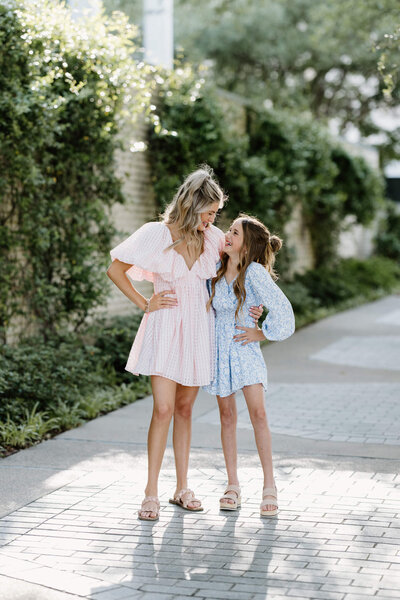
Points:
276	243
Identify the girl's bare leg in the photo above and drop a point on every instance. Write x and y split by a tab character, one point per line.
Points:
182	433
164	391
228	416
254	395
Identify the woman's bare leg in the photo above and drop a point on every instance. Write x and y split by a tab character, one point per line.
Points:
254	395
228	416
164	391
182	433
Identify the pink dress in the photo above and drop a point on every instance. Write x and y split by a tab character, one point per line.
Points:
176	343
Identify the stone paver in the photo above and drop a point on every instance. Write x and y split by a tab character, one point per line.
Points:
371	352
359	412
392	318
338	534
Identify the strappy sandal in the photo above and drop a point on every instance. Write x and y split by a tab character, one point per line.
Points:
269	496
232	492
183	498
154	507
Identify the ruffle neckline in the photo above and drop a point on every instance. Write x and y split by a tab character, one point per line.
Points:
151	257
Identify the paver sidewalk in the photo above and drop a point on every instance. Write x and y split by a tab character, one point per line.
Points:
68	526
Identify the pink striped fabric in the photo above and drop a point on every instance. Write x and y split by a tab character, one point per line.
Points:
176	343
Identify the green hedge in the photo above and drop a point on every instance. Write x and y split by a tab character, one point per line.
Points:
347	283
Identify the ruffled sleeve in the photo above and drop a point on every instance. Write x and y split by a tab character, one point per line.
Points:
279	323
144	250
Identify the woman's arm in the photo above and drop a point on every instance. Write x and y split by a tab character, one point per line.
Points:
117	273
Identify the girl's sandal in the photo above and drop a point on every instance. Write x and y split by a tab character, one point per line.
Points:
270	496
150	504
232	492
184	498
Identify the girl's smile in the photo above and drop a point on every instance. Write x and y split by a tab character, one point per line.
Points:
234	238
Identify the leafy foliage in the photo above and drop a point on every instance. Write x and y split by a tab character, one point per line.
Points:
275	161
32	428
60	369
388	238
300	55
65	88
57	384
345	284
112	340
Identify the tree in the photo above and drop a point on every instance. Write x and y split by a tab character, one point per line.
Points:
297	54
318	57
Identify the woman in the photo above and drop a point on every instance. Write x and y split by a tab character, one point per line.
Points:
175	339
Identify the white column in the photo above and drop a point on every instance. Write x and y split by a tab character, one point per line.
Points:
158	36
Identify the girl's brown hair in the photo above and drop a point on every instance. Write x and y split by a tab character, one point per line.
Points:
194	196
258	246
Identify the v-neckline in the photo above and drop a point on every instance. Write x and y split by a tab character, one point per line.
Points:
232	280
178	253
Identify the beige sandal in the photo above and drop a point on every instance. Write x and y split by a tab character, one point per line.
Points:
232	492
269	496
183	498
154	507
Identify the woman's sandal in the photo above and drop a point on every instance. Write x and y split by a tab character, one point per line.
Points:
232	492
184	498
269	496
153	507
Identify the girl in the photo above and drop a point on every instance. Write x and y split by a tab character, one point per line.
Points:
176	336
245	276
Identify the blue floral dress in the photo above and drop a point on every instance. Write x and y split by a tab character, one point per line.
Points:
236	365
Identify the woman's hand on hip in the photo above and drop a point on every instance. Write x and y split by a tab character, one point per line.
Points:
250	334
161	300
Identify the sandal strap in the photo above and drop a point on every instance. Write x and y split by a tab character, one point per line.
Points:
181	493
189	497
267	501
232	488
228	496
149	499
268	491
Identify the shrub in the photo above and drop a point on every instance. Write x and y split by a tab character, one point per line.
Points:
349	279
61	369
65	87
113	339
300	297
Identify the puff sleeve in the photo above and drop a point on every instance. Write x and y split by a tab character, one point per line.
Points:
279	323
145	251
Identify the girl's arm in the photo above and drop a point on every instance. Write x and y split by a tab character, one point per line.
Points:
117	273
279	323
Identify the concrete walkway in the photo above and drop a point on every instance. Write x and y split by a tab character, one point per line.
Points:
68	526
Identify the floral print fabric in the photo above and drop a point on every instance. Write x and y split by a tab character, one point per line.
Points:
236	365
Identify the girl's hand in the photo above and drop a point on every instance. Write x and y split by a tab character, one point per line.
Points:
161	300
250	334
255	312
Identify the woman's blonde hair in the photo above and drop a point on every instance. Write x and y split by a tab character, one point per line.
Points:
195	195
258	246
